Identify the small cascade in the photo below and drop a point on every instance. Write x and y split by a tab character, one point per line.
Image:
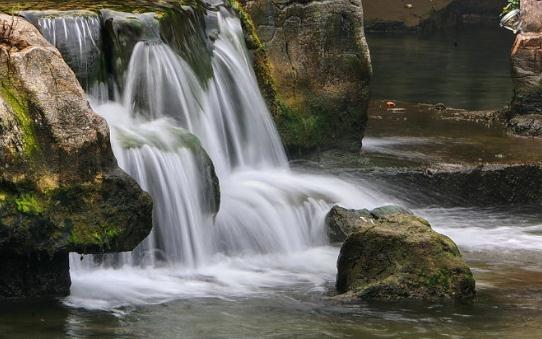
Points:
228	113
169	163
167	123
78	36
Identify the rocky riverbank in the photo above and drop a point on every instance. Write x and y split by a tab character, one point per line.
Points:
429	152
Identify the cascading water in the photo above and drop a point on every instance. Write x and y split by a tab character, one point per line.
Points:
78	36
270	227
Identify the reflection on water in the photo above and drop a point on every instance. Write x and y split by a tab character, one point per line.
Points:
419	134
466	69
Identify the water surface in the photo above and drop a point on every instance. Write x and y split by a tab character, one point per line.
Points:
460	68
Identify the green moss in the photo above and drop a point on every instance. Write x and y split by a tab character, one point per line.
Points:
28	203
298	129
102	235
512	5
19	105
441	279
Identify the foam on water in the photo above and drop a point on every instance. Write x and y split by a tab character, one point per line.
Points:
270	229
223	277
488	229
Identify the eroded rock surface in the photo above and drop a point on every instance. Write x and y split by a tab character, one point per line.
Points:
396	255
60	188
320	63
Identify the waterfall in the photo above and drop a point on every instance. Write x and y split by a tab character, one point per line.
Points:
77	35
271	218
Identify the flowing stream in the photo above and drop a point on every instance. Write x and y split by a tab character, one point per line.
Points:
260	265
269	230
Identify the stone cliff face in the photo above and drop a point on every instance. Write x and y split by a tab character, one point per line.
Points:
320	63
526	108
60	188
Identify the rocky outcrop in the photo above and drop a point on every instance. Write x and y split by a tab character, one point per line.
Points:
320	64
526	108
122	31
60	188
528	125
397	15
395	255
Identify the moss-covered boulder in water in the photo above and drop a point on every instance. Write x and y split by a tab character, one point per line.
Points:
398	256
342	222
60	187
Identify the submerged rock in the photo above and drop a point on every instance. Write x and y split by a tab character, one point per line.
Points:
60	188
396	255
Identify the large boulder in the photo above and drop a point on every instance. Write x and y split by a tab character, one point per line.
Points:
398	256
320	64
60	188
527	72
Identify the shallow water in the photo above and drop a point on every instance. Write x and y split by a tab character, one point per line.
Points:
461	68
285	295
280	298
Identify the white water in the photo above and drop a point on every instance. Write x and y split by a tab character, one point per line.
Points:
270	228
77	35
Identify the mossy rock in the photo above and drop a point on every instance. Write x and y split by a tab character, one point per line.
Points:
308	47
61	190
110	214
398	256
